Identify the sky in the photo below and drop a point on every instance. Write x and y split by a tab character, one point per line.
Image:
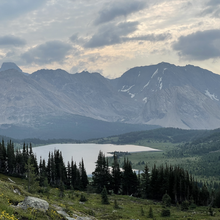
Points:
109	36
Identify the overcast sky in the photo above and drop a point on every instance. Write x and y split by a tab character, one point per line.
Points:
109	36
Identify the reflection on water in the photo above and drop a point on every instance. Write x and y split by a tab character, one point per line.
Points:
89	152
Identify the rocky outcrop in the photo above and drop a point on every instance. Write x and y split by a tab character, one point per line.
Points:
35	203
164	95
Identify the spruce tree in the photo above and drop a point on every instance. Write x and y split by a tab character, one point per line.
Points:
116	175
101	175
104	195
145	183
150	213
129	179
83	176
31	176
10	158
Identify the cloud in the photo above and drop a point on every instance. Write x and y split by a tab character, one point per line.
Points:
76	39
10	40
213	2
116	9
49	52
112	34
201	45
212	9
149	37
14	8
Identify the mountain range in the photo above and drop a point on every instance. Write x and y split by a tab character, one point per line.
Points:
56	104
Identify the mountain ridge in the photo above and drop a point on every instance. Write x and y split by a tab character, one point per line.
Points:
162	94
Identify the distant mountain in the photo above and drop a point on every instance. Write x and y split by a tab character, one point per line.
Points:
173	96
9	65
46	103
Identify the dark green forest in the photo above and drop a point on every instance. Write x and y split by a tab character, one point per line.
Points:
175	182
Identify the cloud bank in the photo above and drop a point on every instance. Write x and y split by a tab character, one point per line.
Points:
10	40
201	45
49	52
115	9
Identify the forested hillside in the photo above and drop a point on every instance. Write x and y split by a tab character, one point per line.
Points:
173	135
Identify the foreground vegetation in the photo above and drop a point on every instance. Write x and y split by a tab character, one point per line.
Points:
179	182
119	207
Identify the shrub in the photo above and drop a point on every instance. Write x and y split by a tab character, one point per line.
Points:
116	206
104	196
166	200
150	213
142	211
82	198
185	205
165	213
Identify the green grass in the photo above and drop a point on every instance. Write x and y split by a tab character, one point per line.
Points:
129	207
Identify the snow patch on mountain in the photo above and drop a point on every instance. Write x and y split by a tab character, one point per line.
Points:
126	90
146	85
160	82
132	95
211	96
154	73
164	70
145	100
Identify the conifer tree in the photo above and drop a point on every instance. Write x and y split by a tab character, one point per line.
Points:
104	195
31	176
150	213
101	175
2	157
10	158
83	176
116	175
145	182
129	179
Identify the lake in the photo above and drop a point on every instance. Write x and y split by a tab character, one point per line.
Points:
89	152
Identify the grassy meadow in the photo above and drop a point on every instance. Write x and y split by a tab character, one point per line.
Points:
128	207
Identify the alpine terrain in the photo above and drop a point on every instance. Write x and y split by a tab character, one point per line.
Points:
56	104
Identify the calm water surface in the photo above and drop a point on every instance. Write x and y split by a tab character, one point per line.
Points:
89	152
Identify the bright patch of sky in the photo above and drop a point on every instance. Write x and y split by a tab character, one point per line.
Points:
111	36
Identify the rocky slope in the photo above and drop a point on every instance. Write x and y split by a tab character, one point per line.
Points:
162	94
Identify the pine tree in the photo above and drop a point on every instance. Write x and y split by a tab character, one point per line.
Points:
83	176
145	183
101	175
116	175
166	200
10	158
104	195
150	213
129	179
2	157
31	176
61	189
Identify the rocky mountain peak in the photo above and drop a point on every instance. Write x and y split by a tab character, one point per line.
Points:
8	66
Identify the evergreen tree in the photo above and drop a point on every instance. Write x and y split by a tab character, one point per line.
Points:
150	213
166	200
145	182
129	179
2	157
116	175
104	195
61	189
101	175
83	176
10	158
31	176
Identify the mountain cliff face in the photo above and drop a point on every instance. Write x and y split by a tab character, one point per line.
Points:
162	94
172	96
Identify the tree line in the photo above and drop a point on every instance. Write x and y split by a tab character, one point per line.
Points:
149	184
